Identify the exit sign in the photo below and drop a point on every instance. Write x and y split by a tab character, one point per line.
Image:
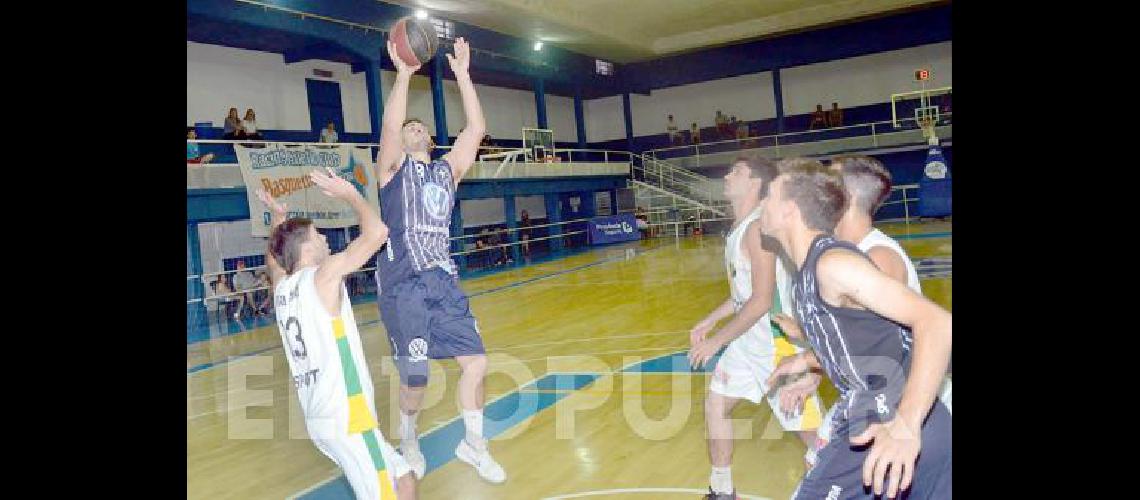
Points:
922	75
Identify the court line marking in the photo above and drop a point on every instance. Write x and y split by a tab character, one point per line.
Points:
207	366
424	434
694	491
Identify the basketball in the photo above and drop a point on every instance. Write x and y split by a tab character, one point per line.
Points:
415	39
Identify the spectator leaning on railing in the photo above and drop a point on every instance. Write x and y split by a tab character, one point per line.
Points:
328	134
835	116
193	153
244	281
232	126
249	125
818	118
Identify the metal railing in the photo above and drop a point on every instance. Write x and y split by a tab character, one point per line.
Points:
873	130
206	278
226	174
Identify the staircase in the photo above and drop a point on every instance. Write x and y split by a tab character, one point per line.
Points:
671	195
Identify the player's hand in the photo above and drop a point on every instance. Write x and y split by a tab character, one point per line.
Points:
277	207
793	395
333	185
789	326
462	58
895	447
703	351
402	67
790	366
698	332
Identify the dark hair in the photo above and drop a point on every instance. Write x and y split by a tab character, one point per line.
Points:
759	168
286	239
818	192
867	182
191	129
799	163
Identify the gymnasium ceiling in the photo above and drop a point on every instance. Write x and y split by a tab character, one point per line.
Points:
634	30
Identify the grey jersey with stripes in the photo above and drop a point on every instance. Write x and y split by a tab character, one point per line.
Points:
416	206
865	355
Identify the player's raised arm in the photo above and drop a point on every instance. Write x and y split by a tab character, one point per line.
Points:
466	146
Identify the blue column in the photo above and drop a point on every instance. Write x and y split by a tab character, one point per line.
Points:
553	216
509	216
613	202
580	119
589	204
198	309
540	102
628	121
441	138
778	90
457	230
375	98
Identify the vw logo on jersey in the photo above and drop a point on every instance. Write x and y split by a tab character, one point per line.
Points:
417	350
436	200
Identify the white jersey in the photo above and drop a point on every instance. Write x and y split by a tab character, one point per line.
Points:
876	238
325	357
739	268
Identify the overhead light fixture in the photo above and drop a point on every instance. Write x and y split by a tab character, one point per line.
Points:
537	45
421	14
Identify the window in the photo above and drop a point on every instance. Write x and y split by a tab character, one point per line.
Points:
604	67
444	29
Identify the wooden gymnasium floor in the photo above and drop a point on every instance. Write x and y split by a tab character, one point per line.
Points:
589	394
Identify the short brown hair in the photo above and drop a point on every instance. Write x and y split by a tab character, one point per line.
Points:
798	163
866	180
759	168
286	239
819	195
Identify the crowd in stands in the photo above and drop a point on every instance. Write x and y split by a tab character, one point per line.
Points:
728	127
826	119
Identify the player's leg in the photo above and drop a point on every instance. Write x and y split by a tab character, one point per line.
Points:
404	314
455	334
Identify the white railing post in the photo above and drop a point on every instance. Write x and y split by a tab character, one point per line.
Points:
875	141
906	209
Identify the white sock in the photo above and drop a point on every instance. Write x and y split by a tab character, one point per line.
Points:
408	426
473	421
721	479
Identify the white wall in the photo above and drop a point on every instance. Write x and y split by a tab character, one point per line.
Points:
226	240
222	77
863	80
856	81
604	120
535	206
485	211
218	78
748	97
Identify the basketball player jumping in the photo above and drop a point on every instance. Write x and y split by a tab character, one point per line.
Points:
884	346
322	344
867	184
753	349
424	311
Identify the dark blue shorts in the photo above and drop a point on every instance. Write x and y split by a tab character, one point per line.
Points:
427	317
838	474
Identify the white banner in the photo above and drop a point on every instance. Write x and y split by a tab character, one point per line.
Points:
284	172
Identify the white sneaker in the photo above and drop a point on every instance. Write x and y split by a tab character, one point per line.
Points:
481	460
411	452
